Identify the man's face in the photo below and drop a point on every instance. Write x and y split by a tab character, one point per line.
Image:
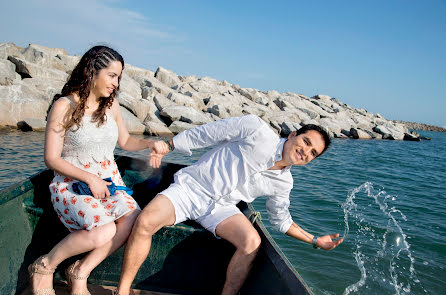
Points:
300	150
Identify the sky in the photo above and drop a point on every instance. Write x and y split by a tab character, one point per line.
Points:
387	56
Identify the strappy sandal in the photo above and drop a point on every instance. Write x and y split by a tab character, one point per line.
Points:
69	273
40	267
115	292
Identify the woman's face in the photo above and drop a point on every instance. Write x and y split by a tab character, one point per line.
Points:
107	80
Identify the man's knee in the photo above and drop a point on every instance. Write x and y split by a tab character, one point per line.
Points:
145	224
251	243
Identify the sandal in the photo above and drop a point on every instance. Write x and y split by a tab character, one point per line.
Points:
69	273
115	292
40	267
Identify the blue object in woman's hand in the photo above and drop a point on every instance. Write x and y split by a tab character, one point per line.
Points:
81	188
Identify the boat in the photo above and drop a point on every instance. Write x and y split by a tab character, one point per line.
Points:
184	259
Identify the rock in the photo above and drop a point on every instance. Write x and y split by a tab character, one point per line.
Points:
178	126
45	57
130	87
346	132
47	87
389	131
288	127
209	85
7	72
32	124
425	138
137	74
10	49
167	77
131	122
160	87
20	102
184	114
149	92
31	70
157	129
359	134
188	79
184	100
161	102
411	137
69	61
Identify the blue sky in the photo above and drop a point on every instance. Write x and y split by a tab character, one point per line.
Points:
388	57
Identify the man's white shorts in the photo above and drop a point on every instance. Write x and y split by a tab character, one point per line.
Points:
207	213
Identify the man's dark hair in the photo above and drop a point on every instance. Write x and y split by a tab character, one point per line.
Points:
319	129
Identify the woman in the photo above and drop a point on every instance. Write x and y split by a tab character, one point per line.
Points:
83	126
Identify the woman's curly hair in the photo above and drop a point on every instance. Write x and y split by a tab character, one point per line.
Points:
81	82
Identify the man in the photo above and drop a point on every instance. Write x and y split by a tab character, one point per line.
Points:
248	160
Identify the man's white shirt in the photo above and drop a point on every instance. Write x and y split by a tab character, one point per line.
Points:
236	169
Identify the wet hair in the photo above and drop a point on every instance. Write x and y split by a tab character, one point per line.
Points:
81	82
321	131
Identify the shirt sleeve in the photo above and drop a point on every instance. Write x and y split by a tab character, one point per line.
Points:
278	212
231	129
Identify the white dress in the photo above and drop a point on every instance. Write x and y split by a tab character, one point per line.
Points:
90	148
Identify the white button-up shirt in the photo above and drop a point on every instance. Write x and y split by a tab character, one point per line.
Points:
236	169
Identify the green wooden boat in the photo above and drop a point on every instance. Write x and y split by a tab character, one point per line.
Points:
184	259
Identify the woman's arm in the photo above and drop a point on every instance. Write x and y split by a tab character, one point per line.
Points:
130	143
54	138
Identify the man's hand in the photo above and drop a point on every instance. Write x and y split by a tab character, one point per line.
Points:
327	242
158	150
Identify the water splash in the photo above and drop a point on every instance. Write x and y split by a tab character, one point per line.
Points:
381	249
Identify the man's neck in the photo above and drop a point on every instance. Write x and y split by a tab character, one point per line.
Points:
279	165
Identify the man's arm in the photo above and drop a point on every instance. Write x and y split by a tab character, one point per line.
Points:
325	242
279	216
212	134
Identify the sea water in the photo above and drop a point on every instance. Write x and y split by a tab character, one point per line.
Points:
386	198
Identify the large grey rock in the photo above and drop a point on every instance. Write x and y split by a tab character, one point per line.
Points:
153	82
157	129
359	134
167	77
31	70
18	102
388	132
184	114
45	57
162	102
130	87
184	100
70	62
178	126
138	107
7	72
7	49
47	87
131	122
224	106
137	74
209	85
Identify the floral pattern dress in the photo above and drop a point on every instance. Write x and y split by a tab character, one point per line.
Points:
90	148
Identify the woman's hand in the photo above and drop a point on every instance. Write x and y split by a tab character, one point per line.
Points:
158	150
98	187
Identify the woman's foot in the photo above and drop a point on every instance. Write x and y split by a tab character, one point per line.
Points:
41	276
77	279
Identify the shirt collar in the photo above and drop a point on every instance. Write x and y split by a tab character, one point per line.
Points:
278	154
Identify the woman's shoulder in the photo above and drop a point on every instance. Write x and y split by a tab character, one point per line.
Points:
61	107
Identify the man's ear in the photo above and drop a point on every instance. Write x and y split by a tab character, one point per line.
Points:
292	134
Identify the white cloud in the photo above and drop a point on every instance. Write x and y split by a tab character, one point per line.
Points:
77	25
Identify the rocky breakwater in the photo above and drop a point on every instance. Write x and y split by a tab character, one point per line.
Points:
163	103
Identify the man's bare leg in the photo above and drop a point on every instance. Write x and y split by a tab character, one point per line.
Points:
158	213
239	231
